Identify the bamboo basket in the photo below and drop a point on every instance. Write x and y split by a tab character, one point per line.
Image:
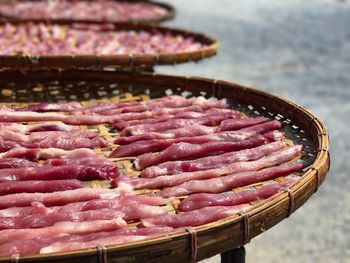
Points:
168	16
199	242
130	61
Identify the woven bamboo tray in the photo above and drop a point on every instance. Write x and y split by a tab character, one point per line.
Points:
168	16
116	61
207	240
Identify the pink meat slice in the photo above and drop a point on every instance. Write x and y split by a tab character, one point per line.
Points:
61	229
73	143
171	124
273	159
69	171
188	131
8	145
48	107
39	186
170	100
225	183
38	127
212	162
15	163
39	136
80	157
27	116
184	150
196	217
48	153
56	198
156	105
57	142
94	204
141	147
167	107
236	124
264	127
197	201
192	130
120	124
130	116
130	212
51	126
33	246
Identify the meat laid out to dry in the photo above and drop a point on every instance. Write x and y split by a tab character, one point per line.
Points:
85	39
64	184
102	10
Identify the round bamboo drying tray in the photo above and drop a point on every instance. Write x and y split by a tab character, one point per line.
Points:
168	16
116	61
207	240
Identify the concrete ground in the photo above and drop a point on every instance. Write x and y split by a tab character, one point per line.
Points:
299	50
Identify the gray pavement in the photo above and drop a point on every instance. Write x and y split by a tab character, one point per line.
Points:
299	50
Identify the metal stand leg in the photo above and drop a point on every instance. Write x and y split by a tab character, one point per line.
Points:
236	255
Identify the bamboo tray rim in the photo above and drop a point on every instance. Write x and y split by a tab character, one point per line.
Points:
312	178
171	12
67	61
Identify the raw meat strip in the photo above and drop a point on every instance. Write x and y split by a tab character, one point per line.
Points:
8	145
188	131
236	124
131	116
174	103
37	137
27	116
48	153
51	126
39	127
197	201
47	107
192	130
225	183
94	204
102	106
264	127
273	159
57	198
123	200
61	229
80	157
141	147
39	186
69	171
33	246
57	142
212	162
196	217
184	150
120	124
133	211
178	123
157	110
15	163
73	143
